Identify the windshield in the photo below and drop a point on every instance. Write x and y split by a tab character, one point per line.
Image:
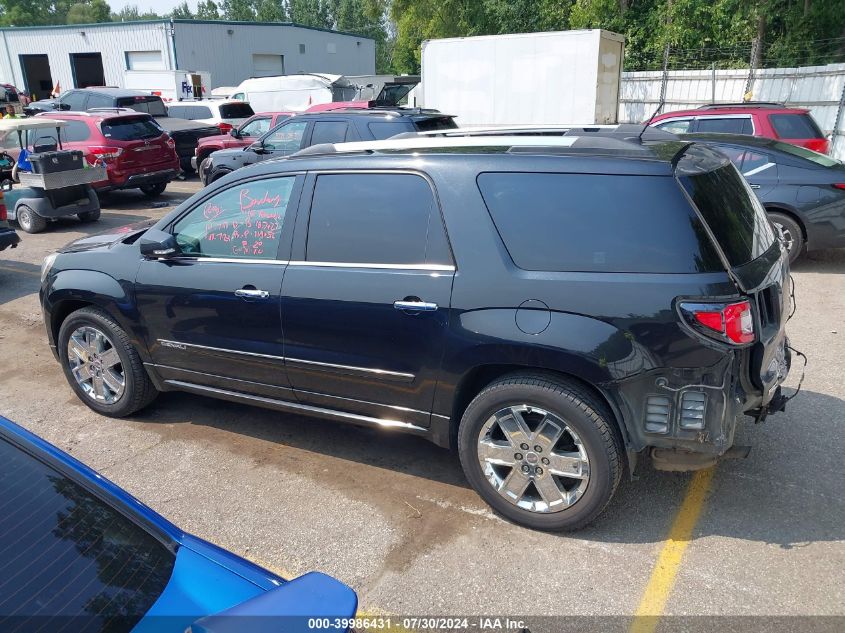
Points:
65	552
130	128
807	154
727	204
148	105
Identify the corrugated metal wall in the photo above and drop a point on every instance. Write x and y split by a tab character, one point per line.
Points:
111	40
818	88
228	55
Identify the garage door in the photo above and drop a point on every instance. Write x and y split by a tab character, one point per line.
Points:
144	60
264	65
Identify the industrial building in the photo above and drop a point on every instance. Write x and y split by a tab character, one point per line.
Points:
35	59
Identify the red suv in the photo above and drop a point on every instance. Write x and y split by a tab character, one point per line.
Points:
245	134
771	120
136	152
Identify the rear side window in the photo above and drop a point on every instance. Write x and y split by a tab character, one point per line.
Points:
795	126
597	223
200	112
179	112
328	132
680	126
130	128
432	124
385	129
721	125
236	111
732	211
147	105
74	131
64	552
375	219
99	101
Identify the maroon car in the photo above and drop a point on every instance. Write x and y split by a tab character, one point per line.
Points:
249	130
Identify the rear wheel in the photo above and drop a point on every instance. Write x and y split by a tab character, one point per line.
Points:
793	237
102	366
217	175
202	166
29	220
541	451
153	191
89	216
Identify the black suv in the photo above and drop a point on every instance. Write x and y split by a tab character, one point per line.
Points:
335	126
184	133
551	308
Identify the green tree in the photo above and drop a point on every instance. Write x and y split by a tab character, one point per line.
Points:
312	12
271	11
89	12
130	13
208	10
238	10
182	11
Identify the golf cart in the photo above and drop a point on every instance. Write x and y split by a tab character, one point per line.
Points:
48	182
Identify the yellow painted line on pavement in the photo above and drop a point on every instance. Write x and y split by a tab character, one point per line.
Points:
665	571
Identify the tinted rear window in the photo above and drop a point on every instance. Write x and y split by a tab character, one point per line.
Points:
236	111
719	125
148	105
597	223
130	129
732	211
795	126
385	129
63	552
432	124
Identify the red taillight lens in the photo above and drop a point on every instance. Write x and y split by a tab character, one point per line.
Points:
728	322
4	215
820	145
105	154
171	143
839	185
225	128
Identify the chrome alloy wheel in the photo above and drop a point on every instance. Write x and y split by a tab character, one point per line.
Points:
95	364
533	459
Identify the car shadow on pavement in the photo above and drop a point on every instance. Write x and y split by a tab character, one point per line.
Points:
827	261
788	492
134	200
17	279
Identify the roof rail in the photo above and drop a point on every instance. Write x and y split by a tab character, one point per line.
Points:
625	131
748	104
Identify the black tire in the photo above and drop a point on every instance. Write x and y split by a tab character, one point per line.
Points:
792	233
581	411
217	175
29	220
139	390
153	191
202	166
89	216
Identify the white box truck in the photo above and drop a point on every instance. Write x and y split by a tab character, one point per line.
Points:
170	85
550	78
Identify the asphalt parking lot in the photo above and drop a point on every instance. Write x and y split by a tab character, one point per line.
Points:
392	515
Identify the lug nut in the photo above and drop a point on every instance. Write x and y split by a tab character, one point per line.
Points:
545	460
524	447
518	457
526	468
538	449
538	470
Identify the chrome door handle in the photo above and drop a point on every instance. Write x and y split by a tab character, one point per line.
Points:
755	186
415	306
252	293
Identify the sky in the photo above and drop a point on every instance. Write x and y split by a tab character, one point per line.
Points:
159	6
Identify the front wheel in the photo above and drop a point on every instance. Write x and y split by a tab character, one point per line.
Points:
102	366
793	237
541	451
29	220
153	191
89	216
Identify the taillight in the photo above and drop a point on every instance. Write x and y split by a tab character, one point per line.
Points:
727	322
105	154
839	185
820	145
4	214
225	128
171	143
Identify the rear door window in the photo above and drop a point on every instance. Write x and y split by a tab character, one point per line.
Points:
597	223
236	111
99	101
799	126
329	132
64	552
728	205
725	125
74	100
130	128
390	219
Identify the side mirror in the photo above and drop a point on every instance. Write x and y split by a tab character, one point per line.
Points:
234	133
258	147
61	106
158	245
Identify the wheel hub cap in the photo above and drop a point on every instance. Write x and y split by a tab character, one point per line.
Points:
95	365
533	459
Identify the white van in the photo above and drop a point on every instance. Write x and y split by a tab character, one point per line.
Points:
296	93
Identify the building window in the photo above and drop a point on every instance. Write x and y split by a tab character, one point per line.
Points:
302	49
